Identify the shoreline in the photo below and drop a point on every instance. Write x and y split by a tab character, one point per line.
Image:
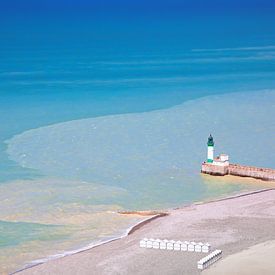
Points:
139	226
128	232
244	194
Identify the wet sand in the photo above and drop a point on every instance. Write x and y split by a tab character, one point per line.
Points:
232	225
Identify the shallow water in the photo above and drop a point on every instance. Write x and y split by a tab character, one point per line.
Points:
156	153
66	229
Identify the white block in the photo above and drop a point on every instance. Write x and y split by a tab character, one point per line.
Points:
184	246
177	246
162	245
205	248
149	244
197	248
142	243
156	244
200	266
170	245
191	247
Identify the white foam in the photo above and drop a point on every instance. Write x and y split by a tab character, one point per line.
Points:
75	251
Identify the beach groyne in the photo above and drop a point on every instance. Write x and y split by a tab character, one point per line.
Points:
266	174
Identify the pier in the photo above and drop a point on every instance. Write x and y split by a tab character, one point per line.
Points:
266	174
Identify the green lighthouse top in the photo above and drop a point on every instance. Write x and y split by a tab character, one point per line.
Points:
210	141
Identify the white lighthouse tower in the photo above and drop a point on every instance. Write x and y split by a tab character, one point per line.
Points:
210	149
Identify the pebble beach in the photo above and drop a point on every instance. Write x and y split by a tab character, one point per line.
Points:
230	224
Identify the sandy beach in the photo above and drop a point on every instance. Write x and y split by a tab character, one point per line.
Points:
231	225
258	259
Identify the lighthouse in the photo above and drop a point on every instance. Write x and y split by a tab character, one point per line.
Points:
210	149
220	166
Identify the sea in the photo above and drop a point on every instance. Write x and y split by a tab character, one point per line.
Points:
106	108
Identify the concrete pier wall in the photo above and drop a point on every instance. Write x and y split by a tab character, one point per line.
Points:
239	170
250	171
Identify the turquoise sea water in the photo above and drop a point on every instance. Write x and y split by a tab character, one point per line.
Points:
61	185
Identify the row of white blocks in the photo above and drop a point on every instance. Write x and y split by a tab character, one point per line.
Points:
175	245
209	259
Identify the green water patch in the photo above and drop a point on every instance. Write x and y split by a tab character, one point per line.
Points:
16	233
154	157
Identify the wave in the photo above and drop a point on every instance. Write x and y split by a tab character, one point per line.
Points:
213	76
265	56
256	48
21	73
190	60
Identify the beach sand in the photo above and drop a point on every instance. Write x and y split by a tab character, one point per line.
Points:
232	225
258	259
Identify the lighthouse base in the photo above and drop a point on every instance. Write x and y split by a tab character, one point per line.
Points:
215	170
